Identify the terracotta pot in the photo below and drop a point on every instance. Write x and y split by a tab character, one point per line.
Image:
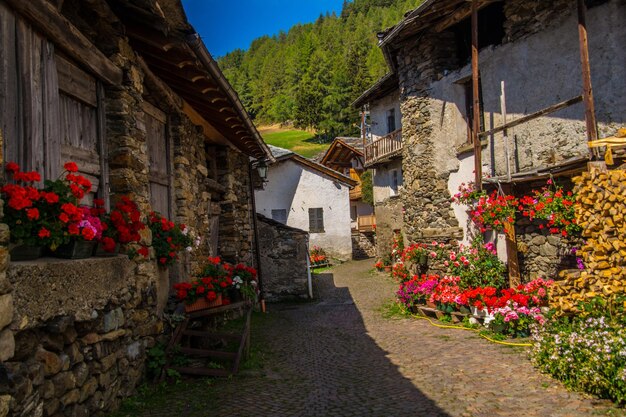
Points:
387	268
203	303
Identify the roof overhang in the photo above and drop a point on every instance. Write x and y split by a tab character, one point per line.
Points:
175	54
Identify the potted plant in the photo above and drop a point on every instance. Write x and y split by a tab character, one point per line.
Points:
199	294
23	213
168	238
244	282
121	226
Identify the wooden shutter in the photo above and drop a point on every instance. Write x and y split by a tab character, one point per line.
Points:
316	220
79	123
28	96
158	151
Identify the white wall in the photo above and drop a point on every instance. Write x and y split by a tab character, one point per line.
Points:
297	188
378	114
381	178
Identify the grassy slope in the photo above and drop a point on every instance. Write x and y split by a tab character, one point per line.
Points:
298	141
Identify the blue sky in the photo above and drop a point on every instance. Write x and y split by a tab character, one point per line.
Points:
226	25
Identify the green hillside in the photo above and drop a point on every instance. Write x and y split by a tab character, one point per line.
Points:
311	74
299	141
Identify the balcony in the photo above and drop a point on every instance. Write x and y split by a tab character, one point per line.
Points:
383	149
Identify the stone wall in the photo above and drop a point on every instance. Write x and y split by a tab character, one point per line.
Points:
236	239
82	328
7	340
284	256
388	220
363	245
425	157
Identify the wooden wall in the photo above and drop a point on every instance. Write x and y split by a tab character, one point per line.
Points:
50	110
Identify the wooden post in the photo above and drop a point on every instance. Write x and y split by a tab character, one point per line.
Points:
478	165
511	249
590	114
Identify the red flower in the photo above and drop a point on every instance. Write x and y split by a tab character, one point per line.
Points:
71	167
143	251
162	260
12	167
200	289
73	229
88	233
32	214
211	295
43	232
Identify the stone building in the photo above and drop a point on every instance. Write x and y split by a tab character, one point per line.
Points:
346	155
129	92
529	54
309	196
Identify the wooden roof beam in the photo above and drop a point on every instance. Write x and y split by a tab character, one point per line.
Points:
154	39
460	14
46	18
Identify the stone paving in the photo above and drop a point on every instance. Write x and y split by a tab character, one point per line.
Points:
339	356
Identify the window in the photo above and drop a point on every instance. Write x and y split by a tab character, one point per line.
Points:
353	213
391	120
395	181
316	220
490	31
280	215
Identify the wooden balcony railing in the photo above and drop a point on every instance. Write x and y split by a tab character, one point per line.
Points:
383	147
366	223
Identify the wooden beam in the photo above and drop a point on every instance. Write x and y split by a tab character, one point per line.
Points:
590	114
478	163
208	130
152	38
524	119
461	14
46	18
511	249
172	99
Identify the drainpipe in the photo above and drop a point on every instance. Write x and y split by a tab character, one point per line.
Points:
308	271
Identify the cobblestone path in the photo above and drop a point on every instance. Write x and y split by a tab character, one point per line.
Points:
340	357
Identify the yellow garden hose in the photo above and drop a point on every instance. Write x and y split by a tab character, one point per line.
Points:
445	326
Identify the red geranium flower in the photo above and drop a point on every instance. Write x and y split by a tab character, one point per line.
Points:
12	167
43	232
71	167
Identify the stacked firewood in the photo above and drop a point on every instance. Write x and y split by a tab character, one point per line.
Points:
601	211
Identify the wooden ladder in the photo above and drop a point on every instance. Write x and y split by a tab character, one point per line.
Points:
184	330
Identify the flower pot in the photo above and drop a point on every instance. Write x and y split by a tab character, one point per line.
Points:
387	268
478	313
203	304
100	252
25	252
76	249
464	310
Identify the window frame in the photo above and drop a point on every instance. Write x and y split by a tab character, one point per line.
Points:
316	220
